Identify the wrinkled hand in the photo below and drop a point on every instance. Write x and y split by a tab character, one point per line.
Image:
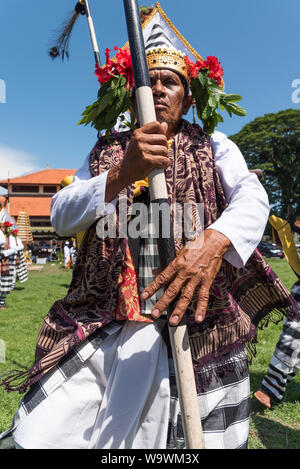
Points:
147	150
194	268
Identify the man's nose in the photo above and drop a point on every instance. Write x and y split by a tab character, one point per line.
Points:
158	88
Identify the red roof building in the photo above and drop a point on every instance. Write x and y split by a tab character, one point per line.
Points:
32	193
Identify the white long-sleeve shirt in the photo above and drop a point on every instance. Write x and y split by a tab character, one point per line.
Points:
2	238
77	206
19	246
12	247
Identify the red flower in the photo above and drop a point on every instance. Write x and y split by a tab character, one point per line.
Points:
124	66
121	65
211	64
104	73
216	71
15	232
8	224
194	68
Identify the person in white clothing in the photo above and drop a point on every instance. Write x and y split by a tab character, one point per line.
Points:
67	256
21	272
8	258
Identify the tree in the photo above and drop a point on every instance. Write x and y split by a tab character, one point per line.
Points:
272	143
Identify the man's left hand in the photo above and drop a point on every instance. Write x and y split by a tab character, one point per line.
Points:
194	268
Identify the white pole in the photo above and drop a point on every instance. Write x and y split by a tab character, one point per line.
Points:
92	31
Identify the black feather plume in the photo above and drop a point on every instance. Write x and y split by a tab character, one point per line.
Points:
61	43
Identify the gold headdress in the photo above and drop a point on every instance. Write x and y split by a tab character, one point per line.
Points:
167	58
165	46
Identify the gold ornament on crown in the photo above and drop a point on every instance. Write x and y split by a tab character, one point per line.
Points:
167	58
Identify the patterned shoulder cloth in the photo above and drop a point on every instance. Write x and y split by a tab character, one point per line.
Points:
240	299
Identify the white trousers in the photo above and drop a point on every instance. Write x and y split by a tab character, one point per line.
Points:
126	377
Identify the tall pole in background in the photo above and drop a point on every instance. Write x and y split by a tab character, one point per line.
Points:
92	31
61	42
158	194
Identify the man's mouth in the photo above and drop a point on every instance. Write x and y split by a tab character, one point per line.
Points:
160	105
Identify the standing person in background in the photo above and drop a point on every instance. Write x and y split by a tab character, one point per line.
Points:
73	253
285	361
54	249
7	261
21	269
67	255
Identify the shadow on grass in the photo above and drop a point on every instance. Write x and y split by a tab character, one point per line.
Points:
274	435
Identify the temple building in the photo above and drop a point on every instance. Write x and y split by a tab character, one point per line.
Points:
32	194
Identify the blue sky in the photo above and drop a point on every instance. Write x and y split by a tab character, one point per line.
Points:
256	41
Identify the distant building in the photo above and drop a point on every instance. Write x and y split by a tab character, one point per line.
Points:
33	193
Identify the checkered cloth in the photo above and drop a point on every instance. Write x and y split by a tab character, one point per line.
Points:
21	269
148	263
2	297
285	362
7	281
224	406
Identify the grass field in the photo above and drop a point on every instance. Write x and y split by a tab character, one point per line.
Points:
278	428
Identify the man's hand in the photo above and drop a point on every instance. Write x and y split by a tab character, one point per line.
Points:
147	150
195	267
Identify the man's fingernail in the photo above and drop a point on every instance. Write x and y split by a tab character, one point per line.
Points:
145	295
174	320
199	318
155	312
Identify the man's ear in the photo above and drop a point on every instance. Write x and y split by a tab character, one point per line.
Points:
187	104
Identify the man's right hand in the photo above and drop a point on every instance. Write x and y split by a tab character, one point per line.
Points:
147	150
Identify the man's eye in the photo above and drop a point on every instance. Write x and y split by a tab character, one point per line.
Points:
169	82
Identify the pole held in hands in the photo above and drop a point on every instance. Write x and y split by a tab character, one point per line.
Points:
179	339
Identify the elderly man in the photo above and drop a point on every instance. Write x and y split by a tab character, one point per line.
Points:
103	376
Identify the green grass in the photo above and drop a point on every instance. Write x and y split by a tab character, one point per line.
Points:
30	302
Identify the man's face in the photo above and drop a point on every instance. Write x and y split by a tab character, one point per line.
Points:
169	96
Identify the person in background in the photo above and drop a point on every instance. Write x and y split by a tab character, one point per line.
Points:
67	255
73	253
285	361
8	257
21	273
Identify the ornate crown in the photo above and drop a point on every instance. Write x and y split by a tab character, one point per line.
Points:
170	58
